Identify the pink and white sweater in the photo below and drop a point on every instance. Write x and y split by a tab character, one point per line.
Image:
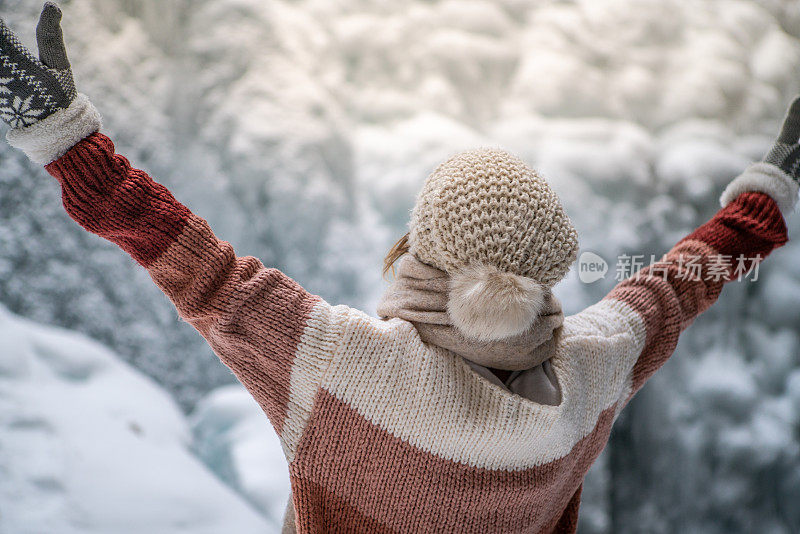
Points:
382	432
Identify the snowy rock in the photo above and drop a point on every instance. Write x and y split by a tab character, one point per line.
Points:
234	438
89	445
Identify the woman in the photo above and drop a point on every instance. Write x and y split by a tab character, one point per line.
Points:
473	405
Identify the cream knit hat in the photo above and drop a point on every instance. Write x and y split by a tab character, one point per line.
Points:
495	226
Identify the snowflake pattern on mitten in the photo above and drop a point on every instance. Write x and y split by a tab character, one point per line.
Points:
785	153
32	89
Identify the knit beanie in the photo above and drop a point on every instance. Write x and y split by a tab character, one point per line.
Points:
495	226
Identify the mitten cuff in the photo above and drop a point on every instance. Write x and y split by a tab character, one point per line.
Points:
49	139
764	178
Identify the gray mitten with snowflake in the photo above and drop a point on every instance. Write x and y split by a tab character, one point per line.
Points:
785	154
37	96
32	89
778	174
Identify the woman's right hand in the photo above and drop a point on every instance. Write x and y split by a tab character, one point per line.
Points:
33	89
785	153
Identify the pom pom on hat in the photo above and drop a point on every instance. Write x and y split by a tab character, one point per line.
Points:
488	304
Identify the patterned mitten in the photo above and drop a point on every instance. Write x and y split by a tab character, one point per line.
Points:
37	96
32	89
778	174
785	154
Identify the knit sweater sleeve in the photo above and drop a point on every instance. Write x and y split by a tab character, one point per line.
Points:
665	297
262	324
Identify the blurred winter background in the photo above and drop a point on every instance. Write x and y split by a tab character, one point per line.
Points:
302	129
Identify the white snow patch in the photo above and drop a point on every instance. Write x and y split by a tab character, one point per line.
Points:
234	438
89	445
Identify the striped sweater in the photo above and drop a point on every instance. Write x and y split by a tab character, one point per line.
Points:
383	433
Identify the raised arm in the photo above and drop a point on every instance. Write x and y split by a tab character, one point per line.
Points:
261	324
667	296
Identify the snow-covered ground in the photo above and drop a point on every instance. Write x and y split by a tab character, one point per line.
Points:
90	446
233	437
302	130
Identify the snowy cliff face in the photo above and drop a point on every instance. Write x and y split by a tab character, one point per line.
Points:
302	130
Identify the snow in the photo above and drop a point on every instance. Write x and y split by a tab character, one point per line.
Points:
89	445
234	439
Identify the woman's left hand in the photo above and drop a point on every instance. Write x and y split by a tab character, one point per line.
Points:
33	89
